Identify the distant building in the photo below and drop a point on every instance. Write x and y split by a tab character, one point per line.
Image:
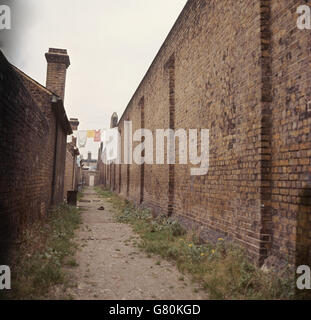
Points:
90	172
89	163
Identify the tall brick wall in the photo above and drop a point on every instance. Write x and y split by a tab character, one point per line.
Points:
291	133
242	70
24	134
33	132
59	128
42	101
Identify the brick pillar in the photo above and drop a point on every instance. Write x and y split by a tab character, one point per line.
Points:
170	67
142	167
74	122
264	151
58	62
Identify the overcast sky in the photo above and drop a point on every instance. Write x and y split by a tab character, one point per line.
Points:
111	44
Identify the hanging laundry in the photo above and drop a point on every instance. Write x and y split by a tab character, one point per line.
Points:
103	135
91	134
97	137
82	139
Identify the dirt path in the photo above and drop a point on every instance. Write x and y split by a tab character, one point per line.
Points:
111	267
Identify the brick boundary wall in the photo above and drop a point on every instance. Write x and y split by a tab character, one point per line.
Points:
242	70
24	133
33	131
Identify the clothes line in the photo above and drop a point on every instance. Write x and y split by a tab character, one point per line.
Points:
84	135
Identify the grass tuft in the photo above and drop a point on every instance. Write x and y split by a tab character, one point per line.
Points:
46	247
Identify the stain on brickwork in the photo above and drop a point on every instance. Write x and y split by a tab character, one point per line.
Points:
303	229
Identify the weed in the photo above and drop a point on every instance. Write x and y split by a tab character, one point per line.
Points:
72	263
46	247
223	269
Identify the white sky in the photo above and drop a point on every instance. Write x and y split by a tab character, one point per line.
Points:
111	44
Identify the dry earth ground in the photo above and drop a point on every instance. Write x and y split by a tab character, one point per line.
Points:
111	267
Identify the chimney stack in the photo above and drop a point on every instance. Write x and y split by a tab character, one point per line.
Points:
89	157
58	62
74	123
114	120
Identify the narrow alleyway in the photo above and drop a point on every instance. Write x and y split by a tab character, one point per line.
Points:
110	266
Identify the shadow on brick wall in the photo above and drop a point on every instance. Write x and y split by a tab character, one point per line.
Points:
303	232
6	239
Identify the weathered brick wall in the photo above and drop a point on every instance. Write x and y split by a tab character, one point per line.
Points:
225	98
54	165
134	178
242	70
69	171
42	100
123	168
60	164
32	133
291	133
24	132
